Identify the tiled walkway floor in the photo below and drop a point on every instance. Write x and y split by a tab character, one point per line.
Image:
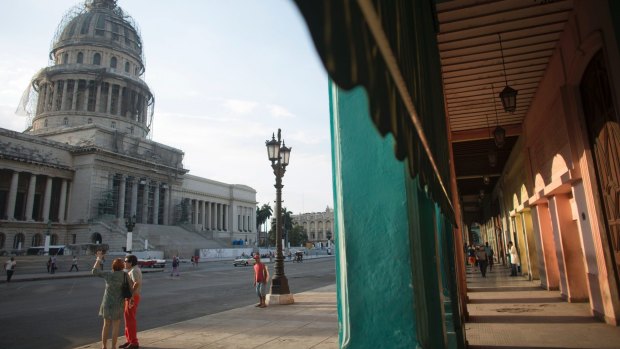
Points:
512	312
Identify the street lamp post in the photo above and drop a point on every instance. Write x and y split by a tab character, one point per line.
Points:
46	248
279	155
130	223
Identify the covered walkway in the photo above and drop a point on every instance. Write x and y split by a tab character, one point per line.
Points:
515	313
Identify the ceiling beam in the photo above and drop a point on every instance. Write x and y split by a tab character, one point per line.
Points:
483	133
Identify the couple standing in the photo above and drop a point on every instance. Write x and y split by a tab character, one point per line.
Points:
114	305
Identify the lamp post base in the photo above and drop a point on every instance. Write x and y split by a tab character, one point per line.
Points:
281	299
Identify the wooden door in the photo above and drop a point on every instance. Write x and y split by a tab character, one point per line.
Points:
604	137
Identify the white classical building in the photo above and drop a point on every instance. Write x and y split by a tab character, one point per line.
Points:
318	225
86	164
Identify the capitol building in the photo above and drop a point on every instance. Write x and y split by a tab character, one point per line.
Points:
86	163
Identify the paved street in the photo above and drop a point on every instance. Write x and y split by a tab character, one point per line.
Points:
62	313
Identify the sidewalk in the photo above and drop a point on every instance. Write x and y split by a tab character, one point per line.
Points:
311	322
512	312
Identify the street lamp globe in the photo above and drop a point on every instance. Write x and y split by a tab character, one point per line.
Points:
285	154
273	149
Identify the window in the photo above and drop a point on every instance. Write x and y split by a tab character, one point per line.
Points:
113	124
113	62
2	240
100	26
86	24
65	58
54	239
65	121
97	59
115	31
36	240
73	238
126	67
80	57
18	241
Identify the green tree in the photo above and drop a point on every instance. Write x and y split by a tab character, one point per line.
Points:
297	236
286	227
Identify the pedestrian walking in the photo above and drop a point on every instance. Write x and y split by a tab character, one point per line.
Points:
175	266
9	267
131	305
514	259
49	264
482	258
490	254
53	265
74	264
261	278
111	307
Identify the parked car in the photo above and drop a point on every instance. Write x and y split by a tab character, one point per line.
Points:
244	262
151	263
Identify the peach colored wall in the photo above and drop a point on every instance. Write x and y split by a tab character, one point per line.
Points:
542	220
561	160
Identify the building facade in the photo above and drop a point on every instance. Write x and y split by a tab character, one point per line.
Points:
318	225
86	164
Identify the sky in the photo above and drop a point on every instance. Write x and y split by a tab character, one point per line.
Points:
225	75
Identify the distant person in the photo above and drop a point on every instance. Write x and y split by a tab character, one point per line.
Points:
490	254
49	264
111	308
471	253
514	259
9	266
131	305
261	278
74	264
483	259
175	266
53	265
193	261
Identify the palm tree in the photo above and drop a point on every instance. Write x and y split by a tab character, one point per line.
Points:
262	215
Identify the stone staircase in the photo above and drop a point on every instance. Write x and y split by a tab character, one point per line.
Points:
173	240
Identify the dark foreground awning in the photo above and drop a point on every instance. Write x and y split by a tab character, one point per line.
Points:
390	48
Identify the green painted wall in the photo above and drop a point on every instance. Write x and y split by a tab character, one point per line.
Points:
374	278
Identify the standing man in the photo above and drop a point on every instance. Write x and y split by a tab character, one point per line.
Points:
53	266
9	266
261	278
131	305
514	259
74	264
483	259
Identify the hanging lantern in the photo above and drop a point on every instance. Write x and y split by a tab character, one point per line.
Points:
499	136
509	99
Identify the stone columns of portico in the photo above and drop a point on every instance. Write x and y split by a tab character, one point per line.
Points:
195	213
134	197
225	219
63	101
30	198
121	197
166	204
156	203
10	210
203	208
219	216
209	215
47	199
98	97
63	201
145	202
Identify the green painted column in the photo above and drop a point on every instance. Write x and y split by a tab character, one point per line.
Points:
373	258
426	268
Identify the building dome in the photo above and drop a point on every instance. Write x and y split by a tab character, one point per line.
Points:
95	77
99	23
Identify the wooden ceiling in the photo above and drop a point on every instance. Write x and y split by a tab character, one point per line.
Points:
473	71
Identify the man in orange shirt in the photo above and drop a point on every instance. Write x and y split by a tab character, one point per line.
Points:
261	278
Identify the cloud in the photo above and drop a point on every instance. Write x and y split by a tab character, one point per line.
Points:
279	111
240	106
